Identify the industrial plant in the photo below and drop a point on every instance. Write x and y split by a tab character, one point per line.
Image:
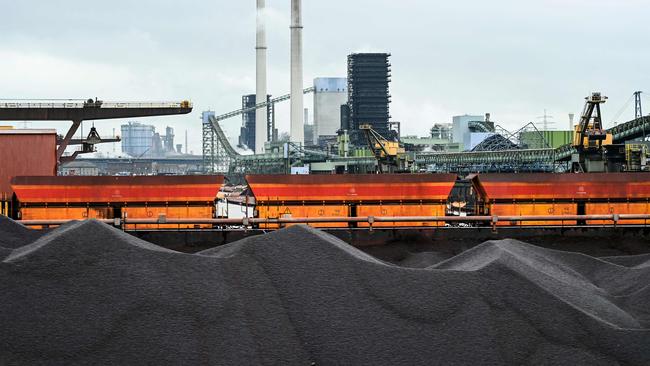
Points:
342	239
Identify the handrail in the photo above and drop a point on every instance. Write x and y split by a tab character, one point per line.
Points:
492	220
115	105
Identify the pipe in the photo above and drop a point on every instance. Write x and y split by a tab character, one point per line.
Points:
297	124
361	219
261	114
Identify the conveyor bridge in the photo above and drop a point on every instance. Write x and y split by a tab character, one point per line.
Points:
523	160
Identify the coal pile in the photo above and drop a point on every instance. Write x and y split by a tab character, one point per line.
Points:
14	235
89	294
422	259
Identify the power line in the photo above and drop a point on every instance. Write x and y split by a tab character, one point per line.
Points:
623	109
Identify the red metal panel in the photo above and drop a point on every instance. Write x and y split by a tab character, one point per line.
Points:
72	189
339	188
25	154
544	186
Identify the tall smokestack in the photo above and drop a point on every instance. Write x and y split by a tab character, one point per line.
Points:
297	129
571	117
261	115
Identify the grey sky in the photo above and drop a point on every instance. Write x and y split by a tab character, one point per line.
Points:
511	58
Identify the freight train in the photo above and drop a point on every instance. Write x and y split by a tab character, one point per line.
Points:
337	196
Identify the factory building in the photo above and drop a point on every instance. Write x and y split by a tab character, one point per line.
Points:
247	132
471	130
329	95
368	93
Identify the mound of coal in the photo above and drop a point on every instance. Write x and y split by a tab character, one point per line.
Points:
13	234
87	293
642	260
422	259
90	294
500	303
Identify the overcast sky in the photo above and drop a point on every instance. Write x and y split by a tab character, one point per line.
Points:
512	58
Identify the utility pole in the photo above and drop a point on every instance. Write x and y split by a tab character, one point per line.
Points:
545	120
638	111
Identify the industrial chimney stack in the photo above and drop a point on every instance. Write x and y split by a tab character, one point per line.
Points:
261	115
297	123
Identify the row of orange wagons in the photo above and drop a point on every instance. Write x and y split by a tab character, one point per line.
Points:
336	196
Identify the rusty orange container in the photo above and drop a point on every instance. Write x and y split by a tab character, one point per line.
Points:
176	197
77	189
401	210
351	188
154	212
633	208
339	195
304	211
534	209
65	213
556	187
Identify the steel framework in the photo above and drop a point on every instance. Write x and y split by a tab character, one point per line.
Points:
532	160
220	157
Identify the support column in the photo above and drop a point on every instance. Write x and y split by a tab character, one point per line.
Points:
66	140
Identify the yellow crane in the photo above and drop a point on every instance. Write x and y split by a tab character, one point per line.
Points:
391	155
590	138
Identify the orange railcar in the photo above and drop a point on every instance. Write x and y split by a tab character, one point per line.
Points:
145	197
344	196
544	194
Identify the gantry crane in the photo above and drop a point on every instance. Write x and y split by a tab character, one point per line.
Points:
590	139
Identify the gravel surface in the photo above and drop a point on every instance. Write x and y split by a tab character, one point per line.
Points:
90	294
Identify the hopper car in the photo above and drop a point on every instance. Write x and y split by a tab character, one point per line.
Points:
104	197
346	196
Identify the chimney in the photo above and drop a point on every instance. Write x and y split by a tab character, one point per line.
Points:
571	117
297	128
261	115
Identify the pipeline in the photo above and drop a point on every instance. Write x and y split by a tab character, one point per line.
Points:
250	222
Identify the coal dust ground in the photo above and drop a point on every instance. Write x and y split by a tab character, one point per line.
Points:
86	293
